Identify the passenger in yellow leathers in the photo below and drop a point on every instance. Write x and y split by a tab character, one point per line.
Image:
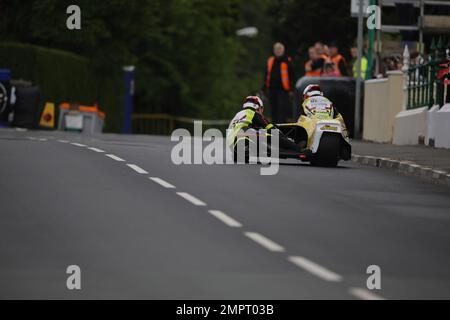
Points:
315	104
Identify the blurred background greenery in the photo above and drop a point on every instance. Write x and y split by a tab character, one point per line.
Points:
189	61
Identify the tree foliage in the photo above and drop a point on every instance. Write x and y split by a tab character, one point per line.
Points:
189	60
300	23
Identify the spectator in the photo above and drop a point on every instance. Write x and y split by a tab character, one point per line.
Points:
364	64
322	53
313	67
393	63
336	64
329	70
390	63
322	50
278	83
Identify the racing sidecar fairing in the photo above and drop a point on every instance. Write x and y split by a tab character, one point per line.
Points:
327	140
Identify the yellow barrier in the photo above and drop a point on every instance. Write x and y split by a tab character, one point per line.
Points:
48	116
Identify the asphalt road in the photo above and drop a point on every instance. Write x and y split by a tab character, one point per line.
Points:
305	233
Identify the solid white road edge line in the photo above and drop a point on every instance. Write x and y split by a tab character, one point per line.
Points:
78	144
137	169
162	183
114	157
315	269
191	199
265	242
364	294
96	150
225	219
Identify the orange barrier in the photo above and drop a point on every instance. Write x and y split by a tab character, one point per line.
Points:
75	107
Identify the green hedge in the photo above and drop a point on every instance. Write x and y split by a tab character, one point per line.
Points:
66	77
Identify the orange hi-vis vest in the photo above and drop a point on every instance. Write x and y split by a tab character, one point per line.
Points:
284	67
335	61
312	73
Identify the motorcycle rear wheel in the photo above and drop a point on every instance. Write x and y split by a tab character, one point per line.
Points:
328	153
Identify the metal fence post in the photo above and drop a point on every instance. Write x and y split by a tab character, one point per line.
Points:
128	99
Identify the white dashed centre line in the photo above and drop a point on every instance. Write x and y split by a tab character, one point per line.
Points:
265	242
78	144
114	157
42	139
96	150
268	244
225	219
163	183
315	269
191	199
137	169
364	294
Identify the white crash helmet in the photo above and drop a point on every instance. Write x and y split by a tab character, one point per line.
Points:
253	102
311	91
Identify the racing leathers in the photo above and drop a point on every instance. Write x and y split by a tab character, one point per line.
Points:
322	107
250	119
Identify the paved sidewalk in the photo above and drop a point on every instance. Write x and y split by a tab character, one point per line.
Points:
423	162
438	159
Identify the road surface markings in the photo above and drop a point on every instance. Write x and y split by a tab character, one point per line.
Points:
315	269
78	144
37	139
114	157
265	242
225	219
96	150
364	294
137	169
191	199
163	183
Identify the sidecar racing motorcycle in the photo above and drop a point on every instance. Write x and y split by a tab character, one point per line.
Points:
319	136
